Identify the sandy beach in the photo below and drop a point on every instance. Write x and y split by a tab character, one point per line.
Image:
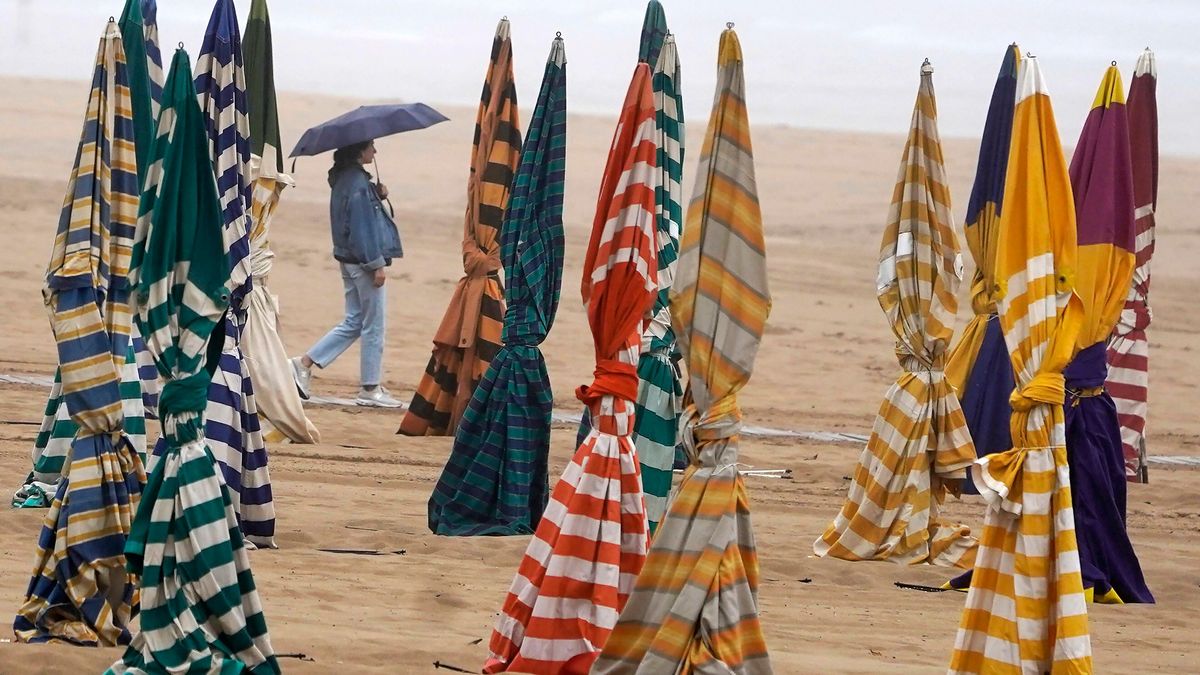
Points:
824	364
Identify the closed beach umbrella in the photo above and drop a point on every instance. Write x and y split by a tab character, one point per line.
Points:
80	591
656	415
199	608
1025	609
495	481
978	367
276	396
233	430
694	607
469	336
919	448
154	55
580	565
1102	182
1128	349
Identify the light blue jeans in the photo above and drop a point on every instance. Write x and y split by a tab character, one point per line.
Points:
366	314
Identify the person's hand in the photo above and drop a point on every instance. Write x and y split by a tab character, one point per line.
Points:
381	190
380	277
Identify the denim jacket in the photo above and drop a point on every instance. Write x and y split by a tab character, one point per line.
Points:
363	233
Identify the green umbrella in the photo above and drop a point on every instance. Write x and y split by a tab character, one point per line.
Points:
199	606
137	69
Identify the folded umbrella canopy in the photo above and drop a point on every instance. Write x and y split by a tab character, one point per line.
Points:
581	562
978	368
154	55
1025	609
469	336
495	481
200	611
139	380
276	396
656	415
919	448
1102	182
80	591
365	123
233	429
694	607
1128	349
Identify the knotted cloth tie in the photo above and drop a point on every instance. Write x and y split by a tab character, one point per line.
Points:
613	378
1047	388
187	395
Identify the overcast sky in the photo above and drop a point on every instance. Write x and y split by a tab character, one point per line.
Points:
838	65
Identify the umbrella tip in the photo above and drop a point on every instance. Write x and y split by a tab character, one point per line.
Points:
113	18
926	67
558	35
1114	63
1030	55
729	25
181	44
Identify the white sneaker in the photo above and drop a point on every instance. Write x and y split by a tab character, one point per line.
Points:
377	398
302	376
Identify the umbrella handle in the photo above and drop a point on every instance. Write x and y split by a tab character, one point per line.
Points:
378	179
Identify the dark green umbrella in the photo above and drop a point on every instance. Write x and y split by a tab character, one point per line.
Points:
137	69
199	606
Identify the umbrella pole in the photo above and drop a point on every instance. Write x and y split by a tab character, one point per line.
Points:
379	180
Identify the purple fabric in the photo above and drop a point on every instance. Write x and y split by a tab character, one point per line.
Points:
985	400
1102	180
1098	487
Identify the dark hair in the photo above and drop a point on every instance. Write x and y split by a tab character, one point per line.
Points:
346	157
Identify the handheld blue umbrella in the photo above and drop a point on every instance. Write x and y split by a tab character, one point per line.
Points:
366	123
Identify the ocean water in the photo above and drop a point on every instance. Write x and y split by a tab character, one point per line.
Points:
851	65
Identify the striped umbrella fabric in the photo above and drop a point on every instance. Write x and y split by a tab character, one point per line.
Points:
1128	349
1025	610
580	565
656	414
1102	182
266	358
495	481
234	431
694	607
199	609
469	336
139	32
80	591
154	54
978	368
920	447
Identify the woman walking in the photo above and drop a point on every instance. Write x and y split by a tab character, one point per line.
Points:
365	241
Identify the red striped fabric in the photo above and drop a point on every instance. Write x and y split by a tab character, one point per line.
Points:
584	557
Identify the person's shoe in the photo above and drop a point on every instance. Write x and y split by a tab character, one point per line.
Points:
377	398
302	376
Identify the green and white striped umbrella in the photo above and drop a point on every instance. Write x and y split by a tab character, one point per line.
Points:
659	390
199	607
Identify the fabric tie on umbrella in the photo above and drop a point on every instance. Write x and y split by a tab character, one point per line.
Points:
694	607
200	611
1102	182
920	447
660	393
1025	610
80	591
276	396
469	336
580	565
978	368
1128	349
495	481
233	429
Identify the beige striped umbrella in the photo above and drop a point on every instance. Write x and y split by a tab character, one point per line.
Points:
694	607
920	447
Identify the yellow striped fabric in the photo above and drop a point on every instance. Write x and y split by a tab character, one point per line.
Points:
694	607
1025	610
920	447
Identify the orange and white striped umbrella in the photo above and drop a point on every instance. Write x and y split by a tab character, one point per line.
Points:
1025	610
591	542
920	447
